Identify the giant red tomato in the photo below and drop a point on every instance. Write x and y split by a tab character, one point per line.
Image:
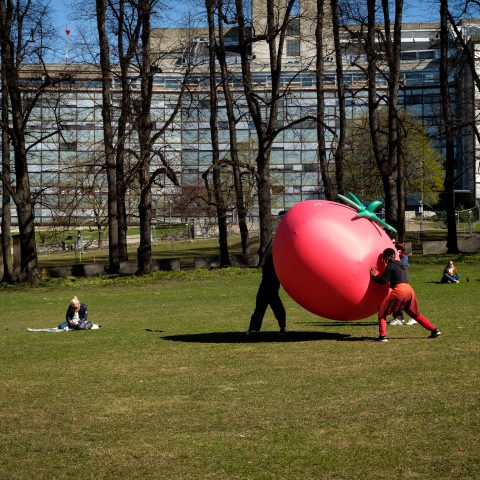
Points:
323	253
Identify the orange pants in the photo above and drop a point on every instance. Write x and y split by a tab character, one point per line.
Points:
401	297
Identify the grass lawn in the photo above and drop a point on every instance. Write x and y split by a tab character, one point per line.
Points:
169	388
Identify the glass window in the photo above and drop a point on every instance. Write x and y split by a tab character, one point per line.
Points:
409	55
86	136
293	156
49	157
190	179
293	48
276	157
309	135
189	136
190	158
426	54
310	179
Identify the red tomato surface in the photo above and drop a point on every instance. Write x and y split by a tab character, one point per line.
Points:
322	254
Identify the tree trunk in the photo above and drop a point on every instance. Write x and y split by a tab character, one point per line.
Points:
144	251
237	179
322	151
108	136
265	125
264	202
217	184
394	164
6	182
25	213
384	167
342	118
22	197
11	44
449	181
125	59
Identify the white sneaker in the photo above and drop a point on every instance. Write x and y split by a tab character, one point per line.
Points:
395	321
411	322
95	326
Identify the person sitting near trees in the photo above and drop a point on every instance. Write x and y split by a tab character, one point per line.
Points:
450	273
76	317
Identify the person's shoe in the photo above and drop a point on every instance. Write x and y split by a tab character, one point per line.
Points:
411	322
395	321
435	333
248	334
381	339
283	332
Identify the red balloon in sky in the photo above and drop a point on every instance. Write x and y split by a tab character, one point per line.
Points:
323	253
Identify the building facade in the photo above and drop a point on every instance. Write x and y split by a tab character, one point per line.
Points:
66	162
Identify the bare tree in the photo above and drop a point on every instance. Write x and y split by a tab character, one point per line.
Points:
6	179
263	110
22	39
219	202
320	73
148	132
108	138
395	163
449	131
342	118
234	148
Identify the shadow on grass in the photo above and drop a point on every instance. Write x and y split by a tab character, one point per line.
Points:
257	337
339	323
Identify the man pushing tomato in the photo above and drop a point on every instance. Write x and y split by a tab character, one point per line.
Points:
400	297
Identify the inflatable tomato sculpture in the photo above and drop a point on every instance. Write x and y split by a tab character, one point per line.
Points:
323	252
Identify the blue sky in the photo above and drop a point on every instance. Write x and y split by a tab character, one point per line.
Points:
415	12
62	15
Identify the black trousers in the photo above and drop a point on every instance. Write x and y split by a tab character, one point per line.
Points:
268	295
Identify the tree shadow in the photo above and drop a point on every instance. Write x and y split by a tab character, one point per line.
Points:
257	337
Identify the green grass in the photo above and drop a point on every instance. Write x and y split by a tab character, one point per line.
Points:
169	389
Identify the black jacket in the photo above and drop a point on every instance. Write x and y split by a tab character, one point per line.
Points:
394	273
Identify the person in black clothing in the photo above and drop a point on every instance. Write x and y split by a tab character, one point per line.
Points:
400	297
268	295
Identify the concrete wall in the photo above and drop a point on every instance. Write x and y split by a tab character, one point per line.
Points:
465	245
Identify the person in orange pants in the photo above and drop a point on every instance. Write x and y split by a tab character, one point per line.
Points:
400	297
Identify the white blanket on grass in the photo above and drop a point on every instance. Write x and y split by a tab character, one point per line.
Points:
47	329
57	330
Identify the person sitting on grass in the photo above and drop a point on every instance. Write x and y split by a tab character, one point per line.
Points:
76	317
450	273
